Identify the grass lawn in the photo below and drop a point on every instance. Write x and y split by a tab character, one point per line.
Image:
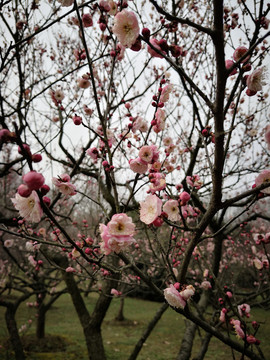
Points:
120	337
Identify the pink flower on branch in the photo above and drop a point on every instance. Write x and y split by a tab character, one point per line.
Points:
240	52
116	292
28	207
172	210
138	166
237	327
126	28
121	225
158	182
165	93
174	298
263	178
33	180
118	234
150	209
152	52
244	310
256	80
146	154
64	185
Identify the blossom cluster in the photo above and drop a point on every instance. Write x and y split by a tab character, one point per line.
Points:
64	185
254	81
118	234
178	299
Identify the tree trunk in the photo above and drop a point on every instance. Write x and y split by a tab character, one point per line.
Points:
187	342
120	315
40	327
14	333
92	334
188	338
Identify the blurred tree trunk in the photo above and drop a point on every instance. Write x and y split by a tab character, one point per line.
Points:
13	332
120	315
91	324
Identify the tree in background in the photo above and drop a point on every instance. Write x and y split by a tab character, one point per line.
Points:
149	119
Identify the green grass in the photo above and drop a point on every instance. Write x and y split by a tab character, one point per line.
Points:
120	338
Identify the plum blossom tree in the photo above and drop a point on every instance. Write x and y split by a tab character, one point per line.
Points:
151	118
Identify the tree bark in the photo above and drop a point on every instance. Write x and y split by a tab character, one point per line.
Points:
187	342
40	327
41	320
14	333
91	324
120	315
188	338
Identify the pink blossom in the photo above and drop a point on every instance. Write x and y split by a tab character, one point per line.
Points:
150	209
160	120
8	243
121	225
155	153
172	210
267	136
158	182
118	234
33	180
112	242
87	20
152	52
116	292
29	208
120	51
187	292
126	28
228	65
77	120
83	82
24	191
32	261
87	110
251	339
63	184
174	298
258	264
104	5
206	285
146	154
222	316
184	198
237	327
263	178
58	95
70	269
113	7
239	52
139	124
244	310
138	166
194	181
93	153
167	141
165	93
256	80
